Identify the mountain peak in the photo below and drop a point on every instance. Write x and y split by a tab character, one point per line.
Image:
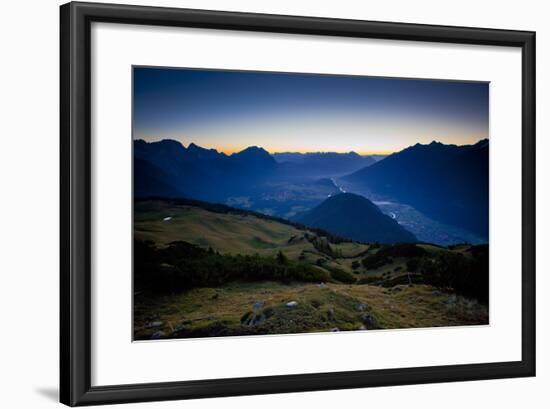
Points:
356	217
198	152
168	142
254	149
193	147
482	143
164	145
253	152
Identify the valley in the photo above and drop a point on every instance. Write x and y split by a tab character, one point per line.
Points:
288	185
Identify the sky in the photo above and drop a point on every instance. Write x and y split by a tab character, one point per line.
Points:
285	112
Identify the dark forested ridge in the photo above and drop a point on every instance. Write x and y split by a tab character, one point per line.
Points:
355	216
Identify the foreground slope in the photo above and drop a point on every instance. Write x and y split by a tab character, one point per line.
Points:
203	270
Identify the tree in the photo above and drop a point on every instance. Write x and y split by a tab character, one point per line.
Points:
281	258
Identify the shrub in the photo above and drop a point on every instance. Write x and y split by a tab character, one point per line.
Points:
315	303
386	254
281	258
370	280
375	260
182	265
341	275
413	264
467	276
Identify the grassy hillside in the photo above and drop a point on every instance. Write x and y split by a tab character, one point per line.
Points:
262	308
208	270
230	233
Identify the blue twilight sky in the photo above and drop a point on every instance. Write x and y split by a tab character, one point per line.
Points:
231	110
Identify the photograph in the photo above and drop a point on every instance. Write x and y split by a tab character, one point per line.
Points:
280	203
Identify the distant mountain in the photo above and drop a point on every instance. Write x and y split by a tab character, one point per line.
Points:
356	217
149	180
378	157
322	164
253	159
201	173
448	183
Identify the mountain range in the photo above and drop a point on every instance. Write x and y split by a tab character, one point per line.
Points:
448	183
167	168
356	217
196	172
323	164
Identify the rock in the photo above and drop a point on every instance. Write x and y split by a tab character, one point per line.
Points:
396	289
246	317
178	328
154	324
257	305
436	293
367	319
259	319
362	328
451	300
251	319
292	304
362	307
268	312
158	335
335	329
322	285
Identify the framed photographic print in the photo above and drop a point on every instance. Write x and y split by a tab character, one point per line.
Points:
259	204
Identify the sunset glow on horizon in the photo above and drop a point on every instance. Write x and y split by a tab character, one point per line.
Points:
232	110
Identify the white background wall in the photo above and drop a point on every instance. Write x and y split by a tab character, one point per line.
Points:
29	153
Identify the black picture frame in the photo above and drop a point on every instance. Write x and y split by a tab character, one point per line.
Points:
75	203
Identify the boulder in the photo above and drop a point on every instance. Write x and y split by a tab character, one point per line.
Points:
257	305
367	319
158	335
154	324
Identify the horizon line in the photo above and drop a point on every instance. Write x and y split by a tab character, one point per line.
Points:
231	151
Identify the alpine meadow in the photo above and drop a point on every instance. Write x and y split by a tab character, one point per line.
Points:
281	203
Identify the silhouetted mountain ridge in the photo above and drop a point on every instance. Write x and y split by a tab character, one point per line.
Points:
201	173
449	183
